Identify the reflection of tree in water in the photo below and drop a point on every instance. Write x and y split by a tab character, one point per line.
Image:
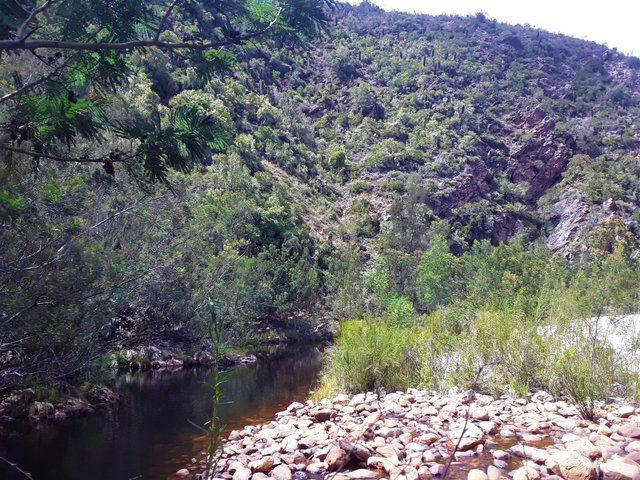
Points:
148	431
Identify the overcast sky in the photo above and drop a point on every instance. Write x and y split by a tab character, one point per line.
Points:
613	22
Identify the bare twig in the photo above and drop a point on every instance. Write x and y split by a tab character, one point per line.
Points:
464	428
161	25
34	13
15	466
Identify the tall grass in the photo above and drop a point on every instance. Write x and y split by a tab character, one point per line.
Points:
372	354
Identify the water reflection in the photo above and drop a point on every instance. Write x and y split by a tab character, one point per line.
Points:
147	435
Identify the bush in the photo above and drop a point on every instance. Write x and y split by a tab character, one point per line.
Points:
372	354
359	186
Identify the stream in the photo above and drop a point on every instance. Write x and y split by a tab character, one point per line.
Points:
148	434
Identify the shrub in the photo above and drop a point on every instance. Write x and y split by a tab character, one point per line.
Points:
359	186
372	354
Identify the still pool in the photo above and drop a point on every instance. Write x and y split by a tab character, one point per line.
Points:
148	435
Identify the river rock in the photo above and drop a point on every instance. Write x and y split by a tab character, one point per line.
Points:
621	469
362	474
572	465
493	473
336	458
477	474
317	467
41	410
585	447
263	464
501	455
183	473
480	414
471	435
242	473
424	473
322	415
281	472
536	454
526	473
388	465
630	430
626	411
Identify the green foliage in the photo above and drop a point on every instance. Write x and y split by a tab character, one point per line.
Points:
359	186
88	50
522	319
214	443
586	376
435	281
370	355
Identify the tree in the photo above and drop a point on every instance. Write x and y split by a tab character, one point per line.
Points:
81	52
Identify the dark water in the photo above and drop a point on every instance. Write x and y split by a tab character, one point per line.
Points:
148	435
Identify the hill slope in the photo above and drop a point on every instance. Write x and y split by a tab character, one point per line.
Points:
494	129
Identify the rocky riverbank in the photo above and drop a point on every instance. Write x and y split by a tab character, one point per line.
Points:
26	404
170	357
415	436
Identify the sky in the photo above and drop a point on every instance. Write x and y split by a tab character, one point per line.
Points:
612	22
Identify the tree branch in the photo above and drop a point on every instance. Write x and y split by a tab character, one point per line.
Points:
17	467
34	84
34	13
23	44
62	159
166	16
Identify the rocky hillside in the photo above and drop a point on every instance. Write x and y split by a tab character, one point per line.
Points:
465	126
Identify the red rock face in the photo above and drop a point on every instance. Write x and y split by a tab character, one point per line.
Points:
541	161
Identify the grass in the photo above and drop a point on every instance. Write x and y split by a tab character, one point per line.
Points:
370	355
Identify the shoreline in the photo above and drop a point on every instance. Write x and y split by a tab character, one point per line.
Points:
26	405
414	436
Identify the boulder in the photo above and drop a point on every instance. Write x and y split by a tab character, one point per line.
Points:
100	396
17	404
477	474
630	430
336	458
183	473
572	465
281	472
620	469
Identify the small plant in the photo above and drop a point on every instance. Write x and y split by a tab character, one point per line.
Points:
214	427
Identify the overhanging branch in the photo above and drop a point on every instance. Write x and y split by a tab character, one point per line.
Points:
48	156
24	44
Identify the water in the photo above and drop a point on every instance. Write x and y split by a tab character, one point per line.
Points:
148	434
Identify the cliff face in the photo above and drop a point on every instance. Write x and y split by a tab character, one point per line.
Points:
496	130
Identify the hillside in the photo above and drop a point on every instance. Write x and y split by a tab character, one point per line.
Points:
476	128
360	151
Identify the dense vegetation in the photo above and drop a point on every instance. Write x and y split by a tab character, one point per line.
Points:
496	318
456	177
